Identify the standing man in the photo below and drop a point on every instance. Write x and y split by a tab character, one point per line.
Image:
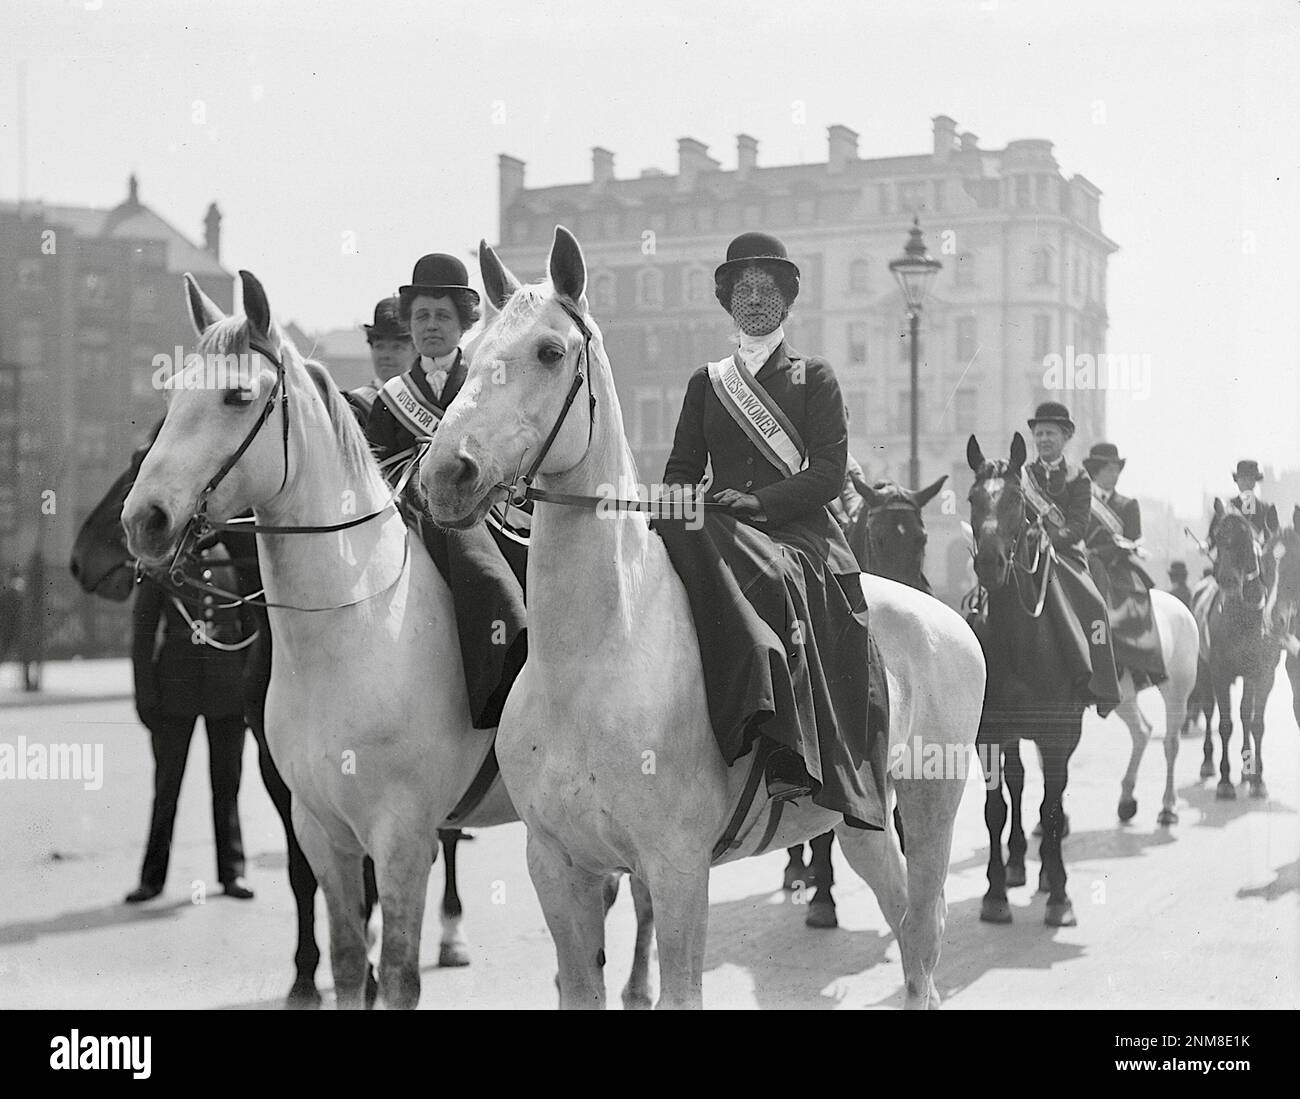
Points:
391	355
1178	583
188	664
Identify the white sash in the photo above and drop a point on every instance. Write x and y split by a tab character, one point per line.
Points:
757	415
1103	514
407	404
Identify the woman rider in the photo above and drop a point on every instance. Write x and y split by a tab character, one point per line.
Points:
773	586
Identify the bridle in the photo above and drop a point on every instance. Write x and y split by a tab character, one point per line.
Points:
200	526
1029	533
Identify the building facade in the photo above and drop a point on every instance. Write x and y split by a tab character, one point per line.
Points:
1024	278
88	298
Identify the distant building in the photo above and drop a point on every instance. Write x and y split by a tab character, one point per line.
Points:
1024	277
88	297
345	353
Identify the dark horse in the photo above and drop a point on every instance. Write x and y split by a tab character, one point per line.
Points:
1028	693
885	530
1236	616
1287	605
104	567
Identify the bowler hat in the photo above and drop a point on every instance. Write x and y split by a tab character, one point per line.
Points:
1248	467
435	275
1102	454
757	248
388	322
1051	412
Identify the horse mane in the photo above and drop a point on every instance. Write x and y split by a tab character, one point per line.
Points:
229	336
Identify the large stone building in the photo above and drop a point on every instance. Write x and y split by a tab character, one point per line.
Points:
88	297
1024	277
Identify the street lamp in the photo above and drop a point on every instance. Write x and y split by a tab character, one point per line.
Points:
915	271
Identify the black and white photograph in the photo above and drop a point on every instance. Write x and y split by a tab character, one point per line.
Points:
546	504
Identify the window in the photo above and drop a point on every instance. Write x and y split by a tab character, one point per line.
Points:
965	408
963	271
966	343
858	343
30	275
604	294
859	276
650	288
144	300
1078	272
1022	192
697	286
29	341
886	199
1042	337
910	197
94	288
1045	266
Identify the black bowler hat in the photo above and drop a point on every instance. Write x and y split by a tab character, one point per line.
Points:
1051	412
436	275
1103	454
1248	467
759	248
1177	570
388	323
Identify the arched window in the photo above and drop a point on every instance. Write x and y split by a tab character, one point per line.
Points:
1045	265
697	286
603	292
859	276
650	288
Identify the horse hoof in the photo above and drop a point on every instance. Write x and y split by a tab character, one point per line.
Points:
1043	886
797	875
1015	874
303	996
1207	769
995	910
1258	789
1060	914
637	1002
1167	816
1128	808
453	955
1224	791
821	914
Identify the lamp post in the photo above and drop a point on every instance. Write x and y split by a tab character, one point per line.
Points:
915	271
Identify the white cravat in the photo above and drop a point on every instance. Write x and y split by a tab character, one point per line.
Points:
1248	503
1052	466
754	351
437	370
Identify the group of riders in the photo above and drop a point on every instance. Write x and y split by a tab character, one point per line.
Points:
783	627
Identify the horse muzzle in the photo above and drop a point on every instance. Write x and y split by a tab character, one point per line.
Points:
151	532
457	491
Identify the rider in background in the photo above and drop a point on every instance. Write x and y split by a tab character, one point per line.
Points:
1262	515
391	355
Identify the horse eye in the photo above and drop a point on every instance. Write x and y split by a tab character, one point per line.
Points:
238	398
550	354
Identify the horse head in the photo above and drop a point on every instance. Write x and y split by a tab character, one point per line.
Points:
896	533
1286	555
528	404
1236	549
997	511
232	388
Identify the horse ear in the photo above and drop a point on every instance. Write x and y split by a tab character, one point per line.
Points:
568	268
923	496
873	498
499	283
1271	522
204	312
256	308
974	456
1017	451
1218	508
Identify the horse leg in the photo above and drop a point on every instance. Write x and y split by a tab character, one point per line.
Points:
821	909
1175	718
1223	699
878	860
1014	770
1140	734
302	881
339	874
370	894
573	901
402	865
638	993
681	906
1056	761
994	908
796	873
1259	694
453	950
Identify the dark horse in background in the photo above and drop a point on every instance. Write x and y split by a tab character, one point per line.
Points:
884	528
1286	609
1236	611
1029	693
104	567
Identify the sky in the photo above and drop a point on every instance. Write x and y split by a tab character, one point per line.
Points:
343	140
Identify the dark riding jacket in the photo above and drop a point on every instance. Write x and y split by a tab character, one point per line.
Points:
1070	488
387	434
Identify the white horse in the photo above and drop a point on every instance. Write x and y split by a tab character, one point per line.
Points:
605	741
367	715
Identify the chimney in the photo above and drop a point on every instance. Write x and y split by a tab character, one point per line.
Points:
212	231
843	144
969	143
746	155
692	159
510	178
602	166
132	190
945	137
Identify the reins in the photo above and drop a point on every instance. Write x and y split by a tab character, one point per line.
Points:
1041	566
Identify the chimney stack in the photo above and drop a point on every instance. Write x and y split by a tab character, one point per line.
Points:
602	166
843	144
692	159
969	143
212	231
945	137
746	155
510	178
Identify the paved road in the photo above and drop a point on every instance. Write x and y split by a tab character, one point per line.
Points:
1204	914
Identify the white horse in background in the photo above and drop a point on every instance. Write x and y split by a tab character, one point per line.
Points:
367	715
605	742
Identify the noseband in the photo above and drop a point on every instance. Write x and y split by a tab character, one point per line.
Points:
1039	571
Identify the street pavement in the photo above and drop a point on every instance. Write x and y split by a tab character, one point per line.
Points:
1204	914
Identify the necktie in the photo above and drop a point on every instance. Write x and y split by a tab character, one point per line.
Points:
436	381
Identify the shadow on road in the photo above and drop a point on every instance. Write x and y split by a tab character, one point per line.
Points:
1218	814
1119	842
89	919
1286	881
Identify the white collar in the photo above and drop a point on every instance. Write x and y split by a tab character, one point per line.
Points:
754	351
442	362
1051	466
